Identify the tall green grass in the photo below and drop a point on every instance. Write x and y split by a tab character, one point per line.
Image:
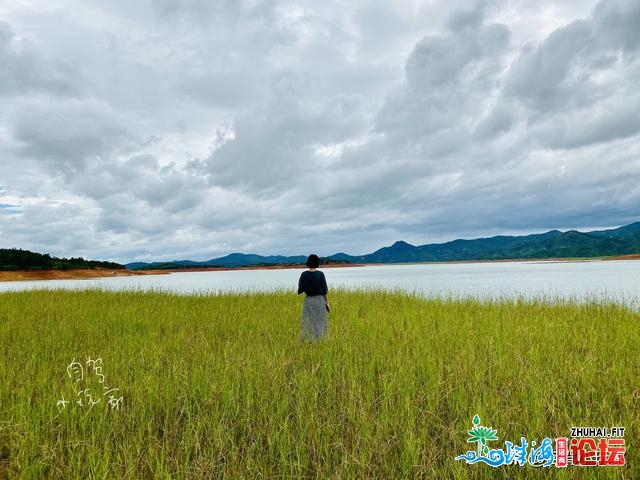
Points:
220	386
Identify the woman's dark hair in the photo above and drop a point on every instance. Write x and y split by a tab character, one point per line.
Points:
313	261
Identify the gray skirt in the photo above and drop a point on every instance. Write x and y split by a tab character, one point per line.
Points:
313	325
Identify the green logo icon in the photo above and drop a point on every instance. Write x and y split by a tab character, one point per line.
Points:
481	435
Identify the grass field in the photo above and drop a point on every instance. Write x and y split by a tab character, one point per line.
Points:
222	387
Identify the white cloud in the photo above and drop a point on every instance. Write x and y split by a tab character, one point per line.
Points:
161	129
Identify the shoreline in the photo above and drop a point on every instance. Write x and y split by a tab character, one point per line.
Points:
80	274
633	256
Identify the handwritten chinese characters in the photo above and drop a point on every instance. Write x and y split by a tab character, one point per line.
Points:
89	388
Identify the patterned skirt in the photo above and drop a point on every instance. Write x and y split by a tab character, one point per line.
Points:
313	325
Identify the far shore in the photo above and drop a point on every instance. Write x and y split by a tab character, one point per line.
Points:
79	274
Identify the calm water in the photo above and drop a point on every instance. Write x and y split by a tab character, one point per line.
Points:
615	280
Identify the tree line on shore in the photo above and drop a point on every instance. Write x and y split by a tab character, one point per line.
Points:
19	259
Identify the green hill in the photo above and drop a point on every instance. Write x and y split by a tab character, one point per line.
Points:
18	259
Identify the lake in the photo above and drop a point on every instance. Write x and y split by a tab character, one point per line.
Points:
612	280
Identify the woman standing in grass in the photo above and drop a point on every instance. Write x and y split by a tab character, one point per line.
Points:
314	311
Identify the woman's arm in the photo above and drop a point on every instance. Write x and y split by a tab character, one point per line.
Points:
325	290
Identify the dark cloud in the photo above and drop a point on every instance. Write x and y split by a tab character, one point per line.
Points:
67	135
273	144
449	80
24	71
615	24
575	66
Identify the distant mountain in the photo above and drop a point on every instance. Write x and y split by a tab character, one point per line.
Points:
228	261
553	244
242	260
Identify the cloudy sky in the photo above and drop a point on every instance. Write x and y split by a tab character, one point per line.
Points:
171	129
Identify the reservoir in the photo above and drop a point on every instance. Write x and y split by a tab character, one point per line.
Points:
616	280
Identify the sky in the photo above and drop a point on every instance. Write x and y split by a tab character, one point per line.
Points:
175	129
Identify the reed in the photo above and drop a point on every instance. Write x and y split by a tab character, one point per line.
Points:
220	386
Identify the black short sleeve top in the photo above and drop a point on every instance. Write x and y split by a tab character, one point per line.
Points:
312	283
